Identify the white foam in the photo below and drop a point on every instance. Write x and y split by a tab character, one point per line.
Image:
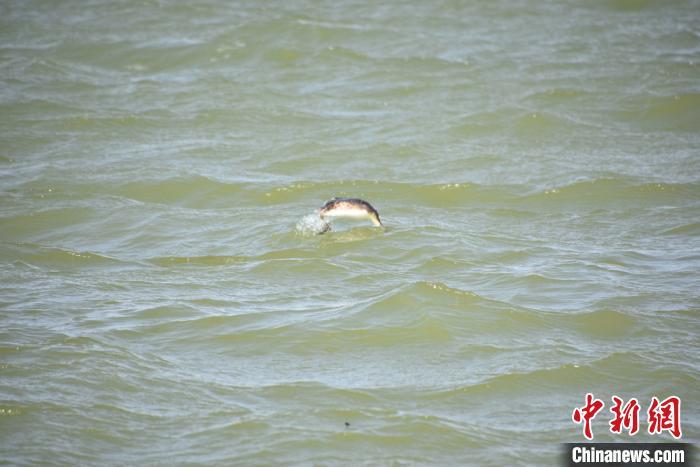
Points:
312	224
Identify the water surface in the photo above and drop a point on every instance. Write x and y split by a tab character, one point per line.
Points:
536	165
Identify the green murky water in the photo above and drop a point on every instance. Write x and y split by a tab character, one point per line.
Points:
537	165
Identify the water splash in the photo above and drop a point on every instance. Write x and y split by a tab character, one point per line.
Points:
312	224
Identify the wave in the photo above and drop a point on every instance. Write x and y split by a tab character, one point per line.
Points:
678	112
439	194
616	365
55	257
164	312
573	375
428	293
204	192
222	260
594	192
422	312
189	191
692	229
431	310
206	260
614	191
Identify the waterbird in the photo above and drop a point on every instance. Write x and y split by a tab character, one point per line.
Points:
349	208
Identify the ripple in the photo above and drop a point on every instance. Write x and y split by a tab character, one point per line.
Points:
52	257
613	191
205	261
692	229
